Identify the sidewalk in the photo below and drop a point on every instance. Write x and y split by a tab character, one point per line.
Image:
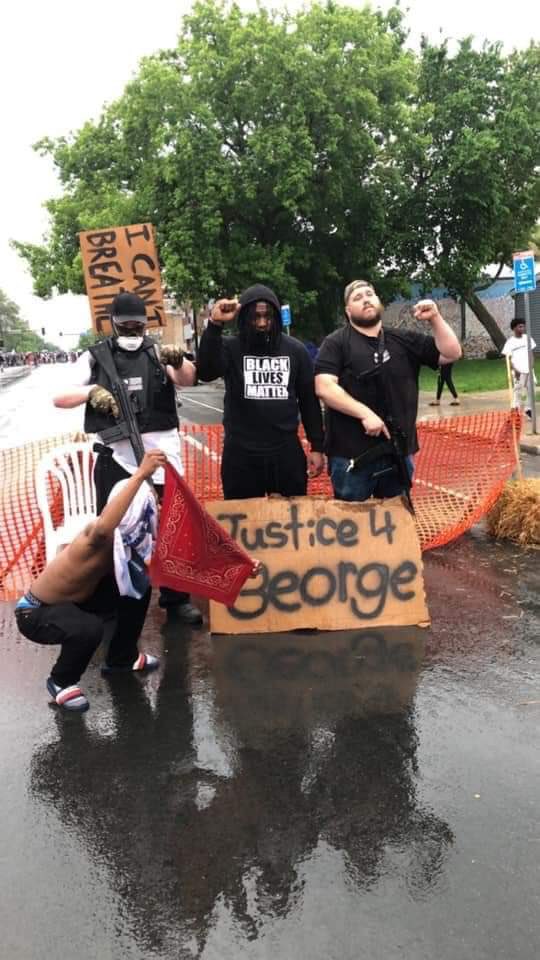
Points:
11	374
478	403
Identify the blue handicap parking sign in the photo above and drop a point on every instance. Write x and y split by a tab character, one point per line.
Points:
286	315
524	272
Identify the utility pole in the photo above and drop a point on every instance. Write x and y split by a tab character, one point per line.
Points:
195	330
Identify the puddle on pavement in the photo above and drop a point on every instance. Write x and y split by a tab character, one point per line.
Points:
258	780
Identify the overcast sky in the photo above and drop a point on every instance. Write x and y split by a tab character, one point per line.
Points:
60	61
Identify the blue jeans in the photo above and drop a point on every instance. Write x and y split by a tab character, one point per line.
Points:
360	484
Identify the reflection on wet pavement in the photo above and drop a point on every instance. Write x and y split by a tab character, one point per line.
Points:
322	795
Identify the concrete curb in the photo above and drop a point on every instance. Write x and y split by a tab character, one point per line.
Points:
530	448
11	376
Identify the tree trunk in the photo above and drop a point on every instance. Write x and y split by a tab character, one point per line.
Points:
486	319
328	310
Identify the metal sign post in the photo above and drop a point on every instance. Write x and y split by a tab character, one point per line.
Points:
525	281
286	317
531	383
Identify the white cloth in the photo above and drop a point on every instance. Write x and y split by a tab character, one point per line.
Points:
520	390
82	370
516	349
134	541
166	440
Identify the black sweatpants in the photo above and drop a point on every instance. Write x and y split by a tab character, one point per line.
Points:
445	377
79	628
107	472
245	474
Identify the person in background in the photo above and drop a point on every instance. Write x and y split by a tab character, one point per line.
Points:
516	349
445	377
312	349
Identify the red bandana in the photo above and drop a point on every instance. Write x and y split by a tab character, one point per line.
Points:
193	552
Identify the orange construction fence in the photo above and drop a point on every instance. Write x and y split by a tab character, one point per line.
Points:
460	471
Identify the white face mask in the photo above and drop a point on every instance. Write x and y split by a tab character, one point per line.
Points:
129	343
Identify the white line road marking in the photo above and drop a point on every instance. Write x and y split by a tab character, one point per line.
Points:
439	489
201	446
199	403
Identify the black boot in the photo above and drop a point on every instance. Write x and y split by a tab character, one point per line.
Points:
179	606
187	613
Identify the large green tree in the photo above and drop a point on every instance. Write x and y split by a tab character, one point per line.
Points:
261	147
15	334
470	167
88	339
303	151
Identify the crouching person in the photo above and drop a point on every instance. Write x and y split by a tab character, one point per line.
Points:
99	577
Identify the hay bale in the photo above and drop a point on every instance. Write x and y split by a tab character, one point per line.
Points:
516	514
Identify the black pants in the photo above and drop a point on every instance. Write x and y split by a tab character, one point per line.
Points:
445	377
245	474
107	473
79	628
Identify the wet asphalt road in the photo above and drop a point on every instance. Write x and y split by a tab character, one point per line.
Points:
331	796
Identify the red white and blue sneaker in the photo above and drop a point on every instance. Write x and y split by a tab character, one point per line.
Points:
144	663
69	698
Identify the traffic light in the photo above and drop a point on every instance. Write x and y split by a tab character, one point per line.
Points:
43	331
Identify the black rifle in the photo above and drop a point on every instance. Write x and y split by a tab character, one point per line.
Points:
127	427
395	448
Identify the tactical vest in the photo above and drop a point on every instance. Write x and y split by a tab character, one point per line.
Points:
152	394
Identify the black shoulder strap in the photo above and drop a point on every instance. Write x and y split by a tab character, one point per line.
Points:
151	348
102	353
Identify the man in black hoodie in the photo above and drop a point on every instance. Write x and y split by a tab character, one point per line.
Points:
268	388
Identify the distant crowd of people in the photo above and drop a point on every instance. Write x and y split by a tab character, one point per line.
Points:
34	358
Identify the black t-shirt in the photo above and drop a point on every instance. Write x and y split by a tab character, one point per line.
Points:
347	354
264	394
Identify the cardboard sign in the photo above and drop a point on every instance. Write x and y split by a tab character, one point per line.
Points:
324	563
119	260
317	680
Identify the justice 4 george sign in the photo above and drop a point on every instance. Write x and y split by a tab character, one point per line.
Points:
324	563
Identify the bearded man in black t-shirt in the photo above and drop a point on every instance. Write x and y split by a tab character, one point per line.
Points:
367	377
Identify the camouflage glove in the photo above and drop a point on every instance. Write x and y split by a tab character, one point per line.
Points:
174	356
103	401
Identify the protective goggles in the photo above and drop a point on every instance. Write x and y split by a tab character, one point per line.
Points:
126	319
129	322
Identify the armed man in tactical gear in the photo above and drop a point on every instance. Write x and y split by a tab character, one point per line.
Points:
150	375
367	376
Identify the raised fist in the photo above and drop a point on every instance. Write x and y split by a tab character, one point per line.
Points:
426	310
171	355
103	401
224	311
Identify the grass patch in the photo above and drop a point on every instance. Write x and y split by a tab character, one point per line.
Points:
473	376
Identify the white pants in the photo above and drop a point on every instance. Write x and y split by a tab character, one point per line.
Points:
521	389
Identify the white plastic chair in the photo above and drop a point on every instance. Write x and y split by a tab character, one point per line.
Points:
73	466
